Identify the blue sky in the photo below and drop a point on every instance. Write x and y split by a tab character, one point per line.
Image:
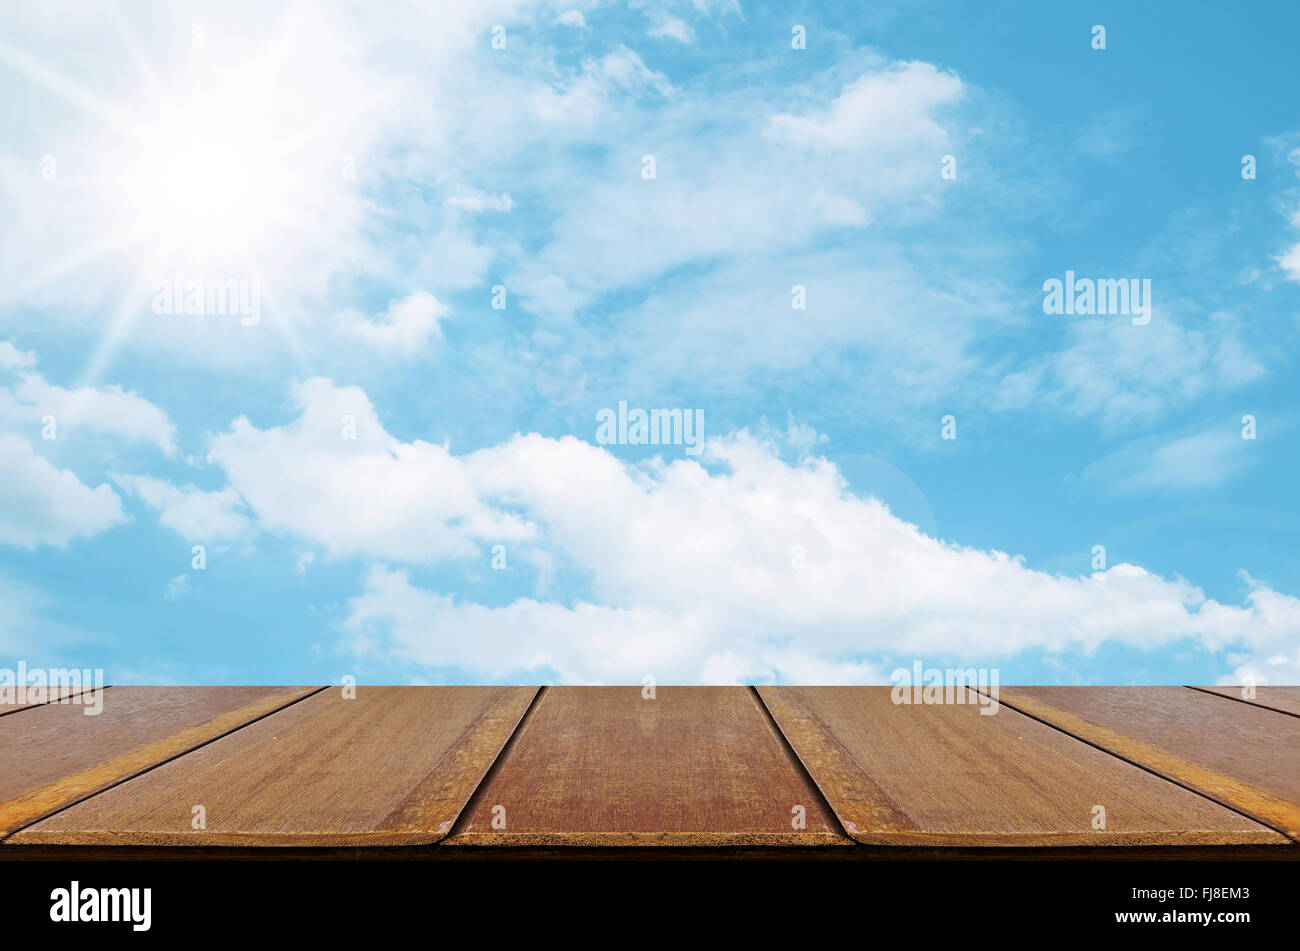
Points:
351	450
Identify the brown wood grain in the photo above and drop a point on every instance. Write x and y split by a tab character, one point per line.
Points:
947	775
391	766
53	755
1242	755
39	696
1281	699
603	766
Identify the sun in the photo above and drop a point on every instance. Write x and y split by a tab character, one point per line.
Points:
229	164
207	184
214	174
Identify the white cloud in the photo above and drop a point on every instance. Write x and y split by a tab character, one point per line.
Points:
721	546
572	18
739	193
107	409
370	495
1290	261
1276	657
667	26
879	110
44	505
1192	461
454	260
582	99
394	618
730	183
11	358
177	587
406	327
582	643
1124	373
701	578
195	515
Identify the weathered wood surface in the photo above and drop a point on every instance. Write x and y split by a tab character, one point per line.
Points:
947	775
692	768
390	766
39	696
1242	755
1281	699
603	766
53	755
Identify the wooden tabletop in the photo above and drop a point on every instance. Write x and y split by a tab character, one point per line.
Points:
610	766
57	753
38	696
1243	755
500	770
1282	699
949	774
388	766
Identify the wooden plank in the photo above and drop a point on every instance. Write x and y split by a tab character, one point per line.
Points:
1281	699
392	766
948	775
603	766
39	696
53	755
1239	754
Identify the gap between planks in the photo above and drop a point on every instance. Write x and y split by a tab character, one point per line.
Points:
556	710
152	766
1269	821
468	809
1250	703
791	754
65	698
797	761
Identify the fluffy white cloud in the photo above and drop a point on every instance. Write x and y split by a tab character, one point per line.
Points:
336	478
1274	657
583	99
721	551
738	337
733	170
739	195
11	358
195	515
582	643
107	409
394	618
1123	373
667	26
1290	262
744	566
44	505
879	111
406	327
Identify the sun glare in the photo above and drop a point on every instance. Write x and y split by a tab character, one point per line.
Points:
217	171
207	186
